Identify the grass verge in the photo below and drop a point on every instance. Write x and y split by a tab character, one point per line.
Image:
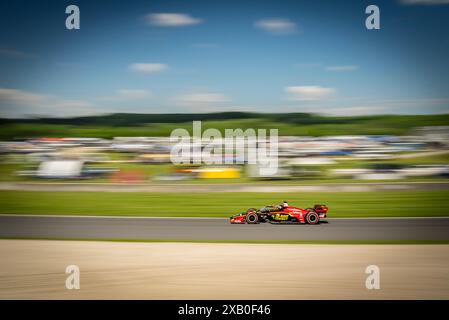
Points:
341	204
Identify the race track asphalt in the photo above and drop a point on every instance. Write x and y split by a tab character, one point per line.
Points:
46	227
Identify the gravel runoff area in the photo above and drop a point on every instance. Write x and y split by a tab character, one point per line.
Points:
35	269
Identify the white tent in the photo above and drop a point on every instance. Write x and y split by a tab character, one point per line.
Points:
60	169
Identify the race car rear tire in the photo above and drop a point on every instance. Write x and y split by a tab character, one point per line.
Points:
252	218
251	210
312	217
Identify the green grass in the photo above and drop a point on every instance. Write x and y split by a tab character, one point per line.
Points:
342	204
332	242
127	125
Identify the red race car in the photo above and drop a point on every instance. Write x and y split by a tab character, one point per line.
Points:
282	214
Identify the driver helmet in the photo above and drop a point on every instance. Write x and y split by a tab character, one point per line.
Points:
285	204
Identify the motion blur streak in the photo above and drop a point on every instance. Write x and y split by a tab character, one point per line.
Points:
213	271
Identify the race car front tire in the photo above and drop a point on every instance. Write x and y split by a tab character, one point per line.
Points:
252	218
312	217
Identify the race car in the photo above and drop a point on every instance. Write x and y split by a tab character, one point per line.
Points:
281	214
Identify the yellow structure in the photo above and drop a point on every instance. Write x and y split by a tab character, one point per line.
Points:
218	173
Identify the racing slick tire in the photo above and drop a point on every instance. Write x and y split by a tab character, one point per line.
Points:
252	218
312	217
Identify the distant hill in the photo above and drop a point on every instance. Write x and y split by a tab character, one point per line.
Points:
131	124
133	119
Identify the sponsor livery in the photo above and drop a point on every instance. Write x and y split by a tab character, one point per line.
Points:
282	214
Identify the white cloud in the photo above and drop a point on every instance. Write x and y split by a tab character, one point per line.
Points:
13	53
309	93
336	68
424	2
277	26
406	106
148	67
342	68
372	106
171	19
16	103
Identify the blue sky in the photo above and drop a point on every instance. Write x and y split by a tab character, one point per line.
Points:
209	56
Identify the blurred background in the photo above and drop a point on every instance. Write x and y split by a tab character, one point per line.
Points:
87	111
86	117
312	149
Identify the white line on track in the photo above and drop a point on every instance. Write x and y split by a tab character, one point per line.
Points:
201	218
105	217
